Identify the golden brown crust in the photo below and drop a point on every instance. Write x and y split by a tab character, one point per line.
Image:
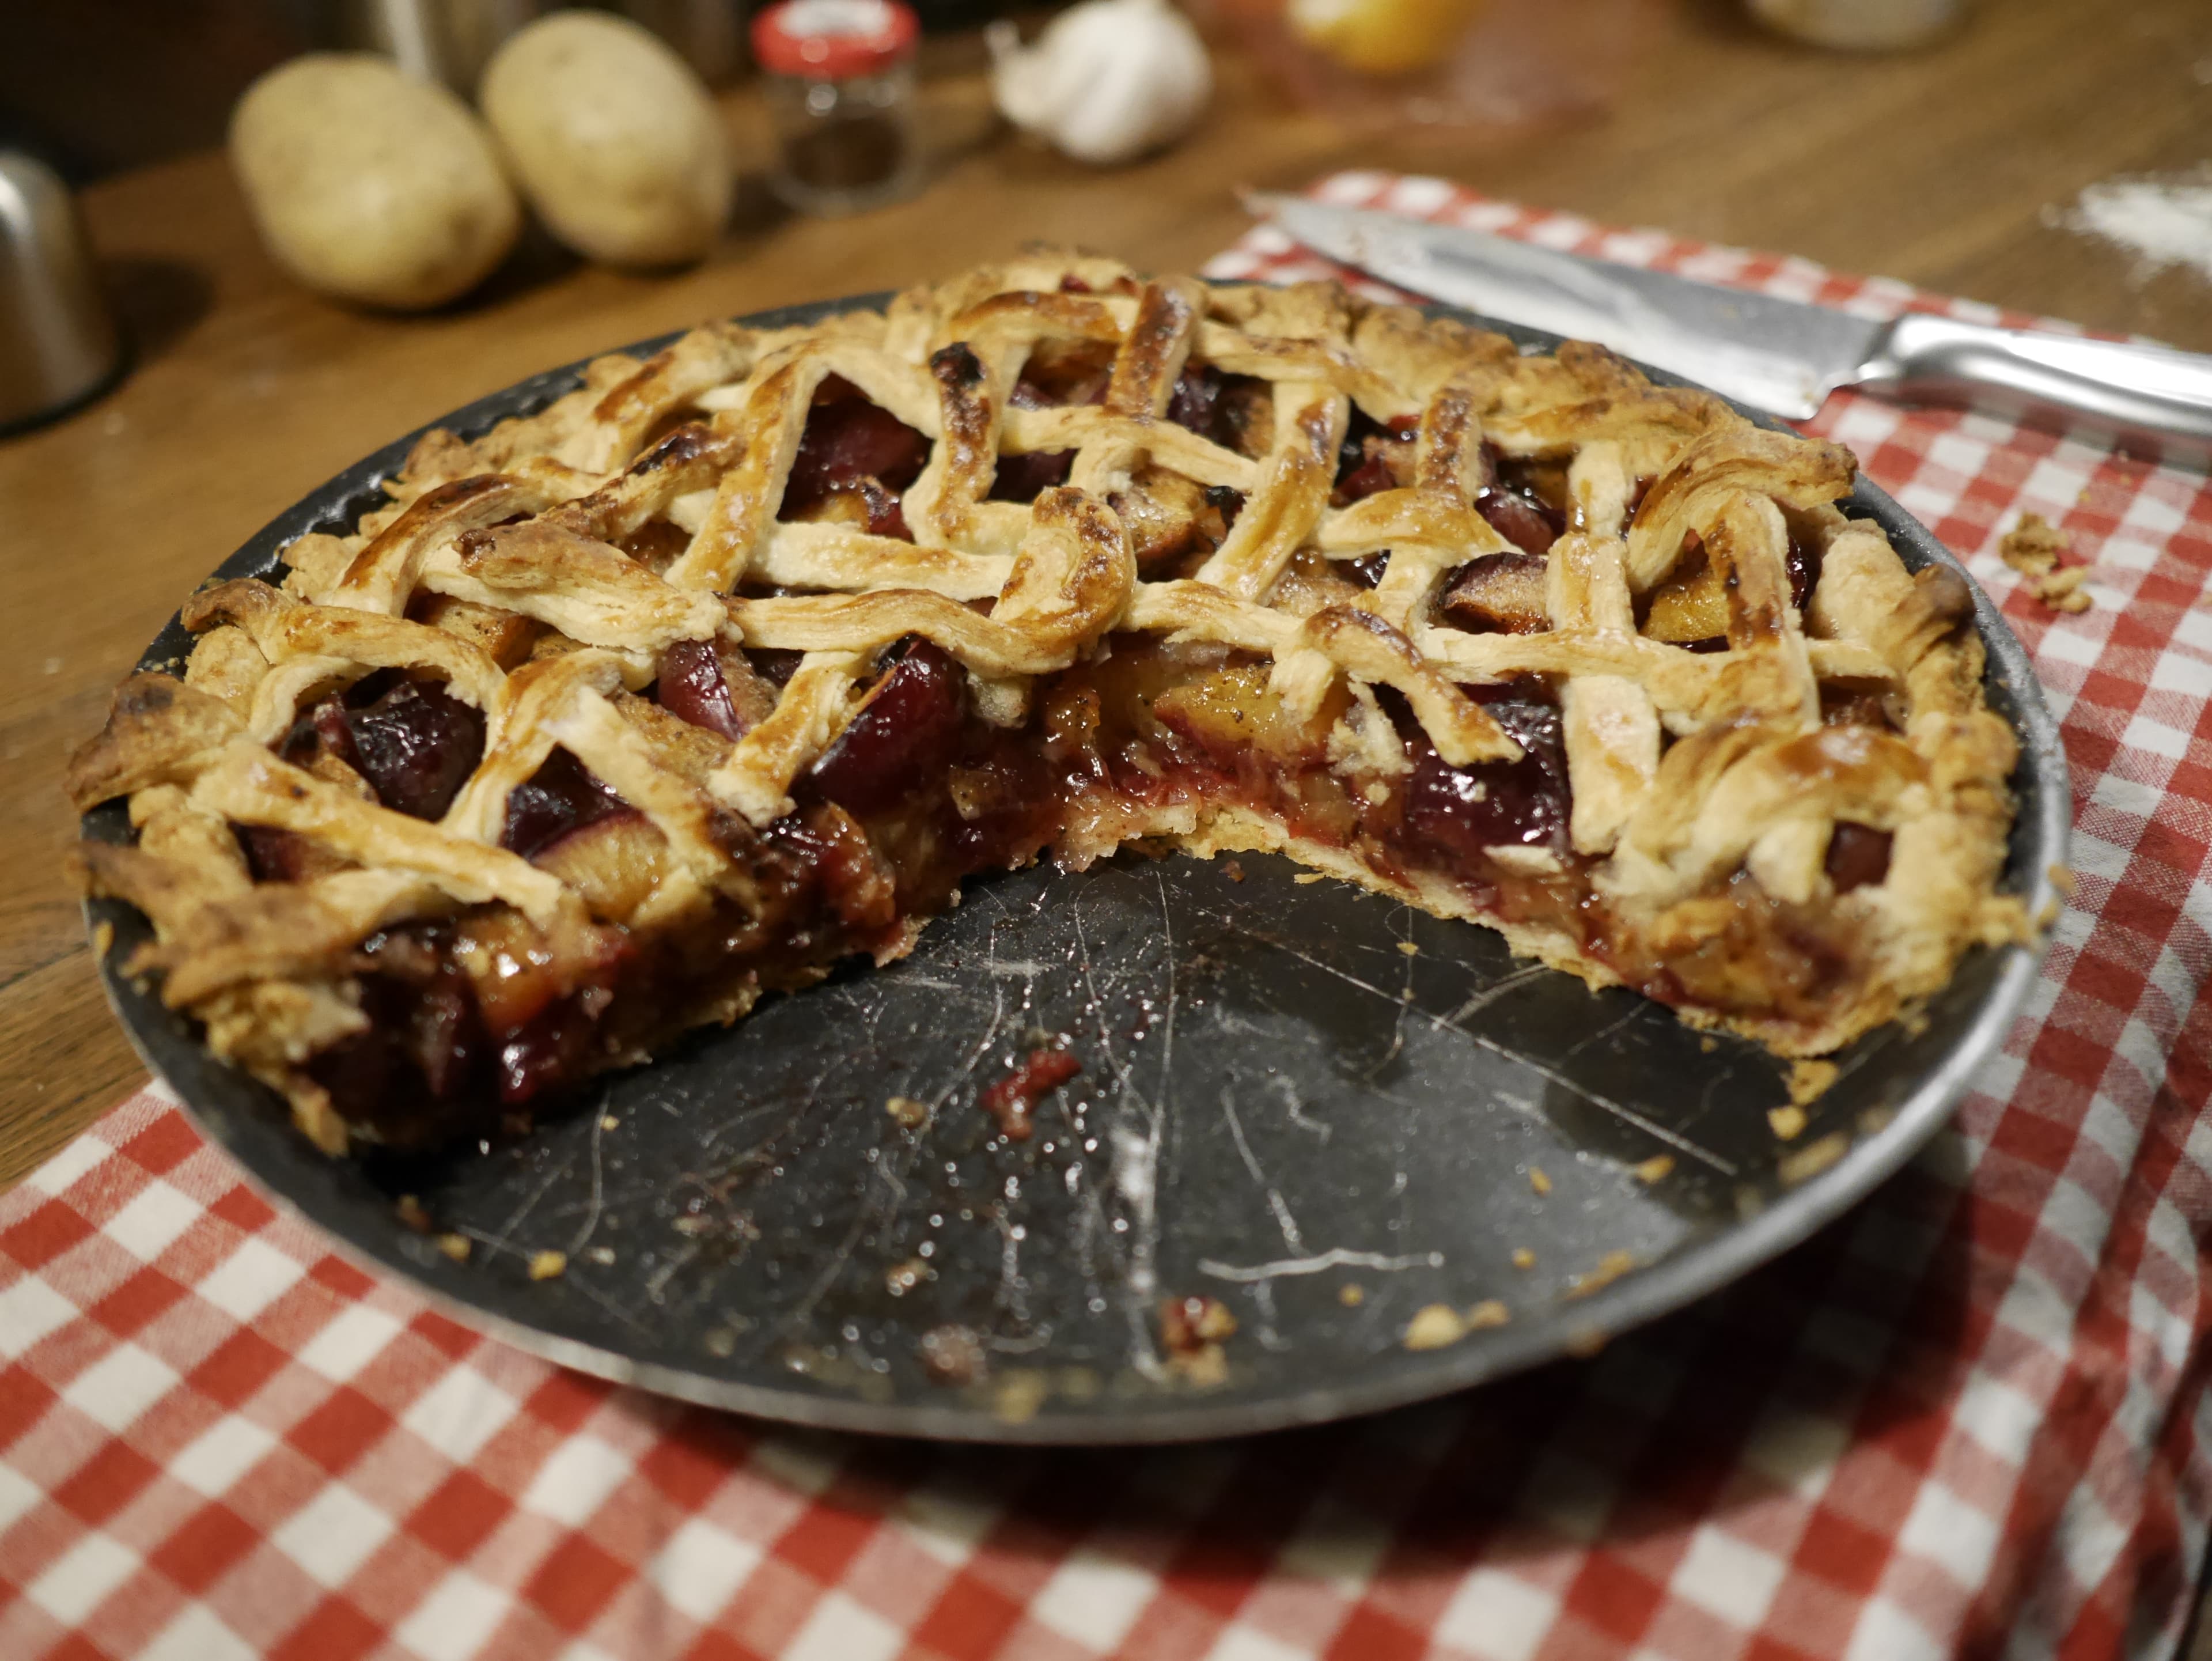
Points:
510	568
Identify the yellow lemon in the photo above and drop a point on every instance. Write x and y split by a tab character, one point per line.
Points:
1383	37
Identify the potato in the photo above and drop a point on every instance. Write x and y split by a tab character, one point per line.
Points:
612	138
369	186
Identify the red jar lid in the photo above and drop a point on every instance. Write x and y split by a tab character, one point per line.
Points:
834	39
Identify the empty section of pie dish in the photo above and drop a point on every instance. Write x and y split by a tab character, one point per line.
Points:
749	660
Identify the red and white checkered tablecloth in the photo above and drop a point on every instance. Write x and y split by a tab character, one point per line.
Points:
1969	1420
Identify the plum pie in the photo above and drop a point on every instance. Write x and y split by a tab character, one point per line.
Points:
735	662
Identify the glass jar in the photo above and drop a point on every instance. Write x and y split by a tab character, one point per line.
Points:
840	83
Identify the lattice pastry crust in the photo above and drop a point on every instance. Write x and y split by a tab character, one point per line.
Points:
543	574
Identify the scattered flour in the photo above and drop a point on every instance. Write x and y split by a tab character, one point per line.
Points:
2161	219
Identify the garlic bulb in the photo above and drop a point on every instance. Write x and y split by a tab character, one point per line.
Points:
1107	81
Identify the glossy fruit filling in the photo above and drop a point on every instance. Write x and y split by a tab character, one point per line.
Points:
476	1021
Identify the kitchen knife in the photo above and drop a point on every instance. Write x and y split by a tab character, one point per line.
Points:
1781	355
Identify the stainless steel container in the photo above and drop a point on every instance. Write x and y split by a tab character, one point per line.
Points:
447	41
59	342
452	40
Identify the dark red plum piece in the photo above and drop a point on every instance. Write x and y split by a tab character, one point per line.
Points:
1023	478
907	731
1014	1098
847	440
693	688
545	1053
413	741
1519	521
1525	803
556	798
1858	855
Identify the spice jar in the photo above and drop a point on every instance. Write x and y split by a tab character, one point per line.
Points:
839	78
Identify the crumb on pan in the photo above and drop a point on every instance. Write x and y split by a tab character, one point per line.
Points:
1813	1158
1610	1268
1810	1080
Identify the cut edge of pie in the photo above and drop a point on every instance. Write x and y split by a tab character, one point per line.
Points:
734	662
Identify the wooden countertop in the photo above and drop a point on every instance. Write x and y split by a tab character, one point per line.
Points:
1936	168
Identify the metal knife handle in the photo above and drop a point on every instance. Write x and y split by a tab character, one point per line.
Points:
2152	396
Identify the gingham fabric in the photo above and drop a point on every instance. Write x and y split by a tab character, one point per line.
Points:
1968	1420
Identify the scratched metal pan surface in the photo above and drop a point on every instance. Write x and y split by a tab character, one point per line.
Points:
1324	1109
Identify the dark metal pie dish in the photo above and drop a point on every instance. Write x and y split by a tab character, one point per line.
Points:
1320	1108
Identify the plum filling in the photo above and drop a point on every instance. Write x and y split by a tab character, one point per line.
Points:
1060	373
1526	500
412	741
1499	593
693	688
854	460
1235	411
1858	855
476	1021
1375	456
561	796
1803	561
1462	811
906	732
1023	478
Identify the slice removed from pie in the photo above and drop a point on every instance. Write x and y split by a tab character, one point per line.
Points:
735	662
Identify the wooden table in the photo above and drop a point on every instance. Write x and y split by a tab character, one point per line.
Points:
1936	168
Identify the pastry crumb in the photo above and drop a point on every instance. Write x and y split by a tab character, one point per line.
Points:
604	1256
1813	1158
1408	949
1657	1168
2063	879
1538	1180
1490	1313
1708	1044
103	938
1583	1345
1191	1331
2034	548
906	1112
1232	870
548	1265
1434	1327
1352	1294
1788	1123
1610	1268
1809	1081
455	1246
1307	878
1523	1258
412	1214
1019	1395
608	1122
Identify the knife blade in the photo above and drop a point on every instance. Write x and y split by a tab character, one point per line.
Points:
1782	355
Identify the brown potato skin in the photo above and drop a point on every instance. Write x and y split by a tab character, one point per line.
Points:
612	139
368	186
